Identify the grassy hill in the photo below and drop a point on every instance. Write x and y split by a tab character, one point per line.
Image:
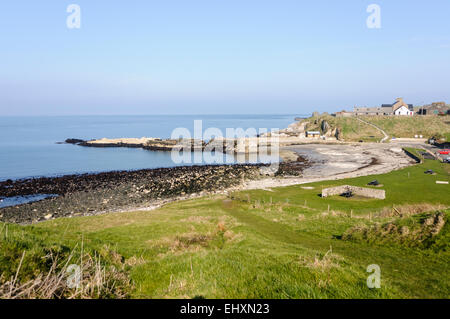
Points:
350	128
408	126
394	126
285	243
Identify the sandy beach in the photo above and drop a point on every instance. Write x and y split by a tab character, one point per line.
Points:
332	162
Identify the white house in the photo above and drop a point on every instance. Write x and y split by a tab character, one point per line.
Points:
402	110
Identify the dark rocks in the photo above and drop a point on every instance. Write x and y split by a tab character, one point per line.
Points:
89	194
160	145
74	141
427	155
169	145
324	126
293	168
347	194
338	134
155	144
130	145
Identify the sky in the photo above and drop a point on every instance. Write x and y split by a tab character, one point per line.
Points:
220	57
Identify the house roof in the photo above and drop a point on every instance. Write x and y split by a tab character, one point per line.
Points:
372	110
398	104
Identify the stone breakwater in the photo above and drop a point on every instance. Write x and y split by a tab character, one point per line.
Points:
91	194
232	146
148	143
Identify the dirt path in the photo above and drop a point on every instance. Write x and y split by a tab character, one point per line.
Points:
378	128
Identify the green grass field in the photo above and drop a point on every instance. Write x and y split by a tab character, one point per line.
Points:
394	126
285	243
408	126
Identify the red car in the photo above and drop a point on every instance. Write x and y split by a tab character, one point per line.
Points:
444	152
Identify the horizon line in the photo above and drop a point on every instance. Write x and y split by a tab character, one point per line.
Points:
147	114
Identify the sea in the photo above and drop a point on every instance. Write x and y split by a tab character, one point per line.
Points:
31	146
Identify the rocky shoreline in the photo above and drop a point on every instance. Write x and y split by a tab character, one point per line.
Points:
148	143
91	194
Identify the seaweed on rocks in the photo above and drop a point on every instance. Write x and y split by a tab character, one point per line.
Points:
88	194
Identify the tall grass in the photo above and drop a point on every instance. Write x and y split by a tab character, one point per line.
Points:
95	281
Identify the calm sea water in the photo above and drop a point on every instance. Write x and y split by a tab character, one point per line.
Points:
28	144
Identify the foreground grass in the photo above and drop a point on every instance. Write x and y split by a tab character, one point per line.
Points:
285	243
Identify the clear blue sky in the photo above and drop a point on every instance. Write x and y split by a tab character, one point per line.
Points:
213	56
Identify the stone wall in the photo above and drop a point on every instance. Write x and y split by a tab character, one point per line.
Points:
338	190
413	156
361	191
